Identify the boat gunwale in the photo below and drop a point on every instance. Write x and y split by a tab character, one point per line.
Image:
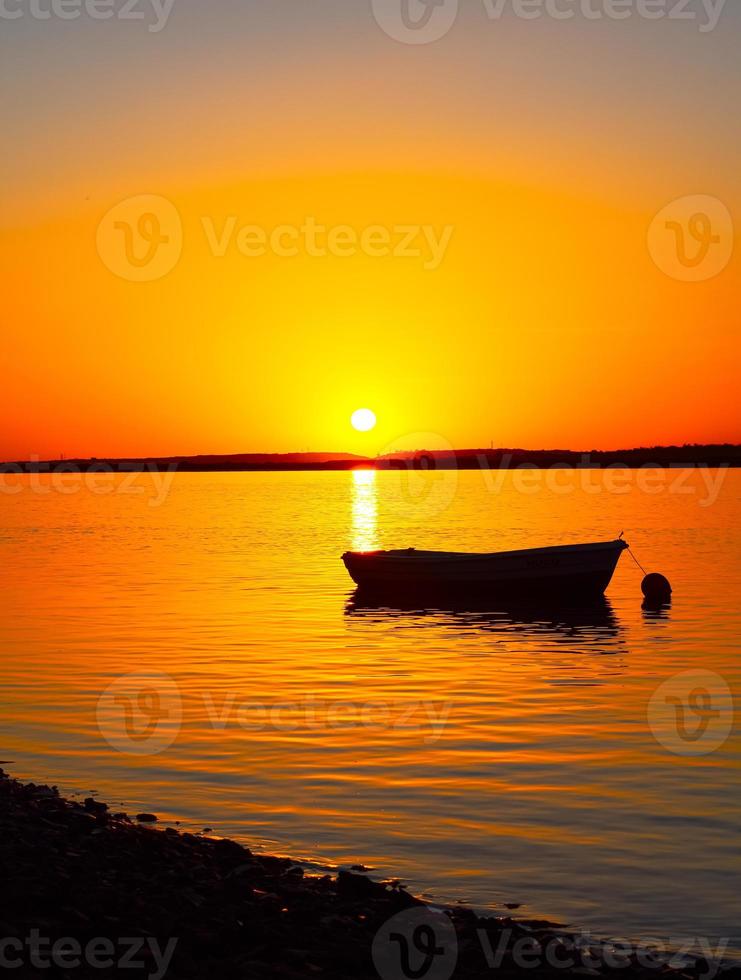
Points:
453	556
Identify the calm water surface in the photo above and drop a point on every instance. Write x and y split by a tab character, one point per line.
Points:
487	755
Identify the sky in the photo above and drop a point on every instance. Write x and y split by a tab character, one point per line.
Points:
226	226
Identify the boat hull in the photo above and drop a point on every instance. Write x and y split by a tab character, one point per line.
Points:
575	570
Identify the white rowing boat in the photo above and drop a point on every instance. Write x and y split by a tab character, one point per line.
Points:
578	569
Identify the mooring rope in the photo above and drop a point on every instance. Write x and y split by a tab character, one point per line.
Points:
637	562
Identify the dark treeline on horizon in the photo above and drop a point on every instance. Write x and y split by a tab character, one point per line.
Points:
658	456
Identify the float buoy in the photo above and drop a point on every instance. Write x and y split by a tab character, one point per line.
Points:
656	588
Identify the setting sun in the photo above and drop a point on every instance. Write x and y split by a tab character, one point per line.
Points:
363	420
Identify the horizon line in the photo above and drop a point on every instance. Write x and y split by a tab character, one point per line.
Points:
341	455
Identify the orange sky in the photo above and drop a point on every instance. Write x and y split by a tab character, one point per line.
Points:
531	157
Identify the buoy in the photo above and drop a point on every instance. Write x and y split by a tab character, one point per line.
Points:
656	587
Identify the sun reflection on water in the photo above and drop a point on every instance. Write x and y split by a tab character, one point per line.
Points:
364	510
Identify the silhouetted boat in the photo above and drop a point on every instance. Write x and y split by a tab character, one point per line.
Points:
571	569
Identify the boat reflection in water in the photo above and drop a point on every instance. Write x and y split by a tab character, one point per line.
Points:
591	621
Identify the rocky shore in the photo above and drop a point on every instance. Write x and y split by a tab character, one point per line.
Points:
86	892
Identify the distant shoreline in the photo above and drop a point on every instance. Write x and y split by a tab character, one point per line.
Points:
660	457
